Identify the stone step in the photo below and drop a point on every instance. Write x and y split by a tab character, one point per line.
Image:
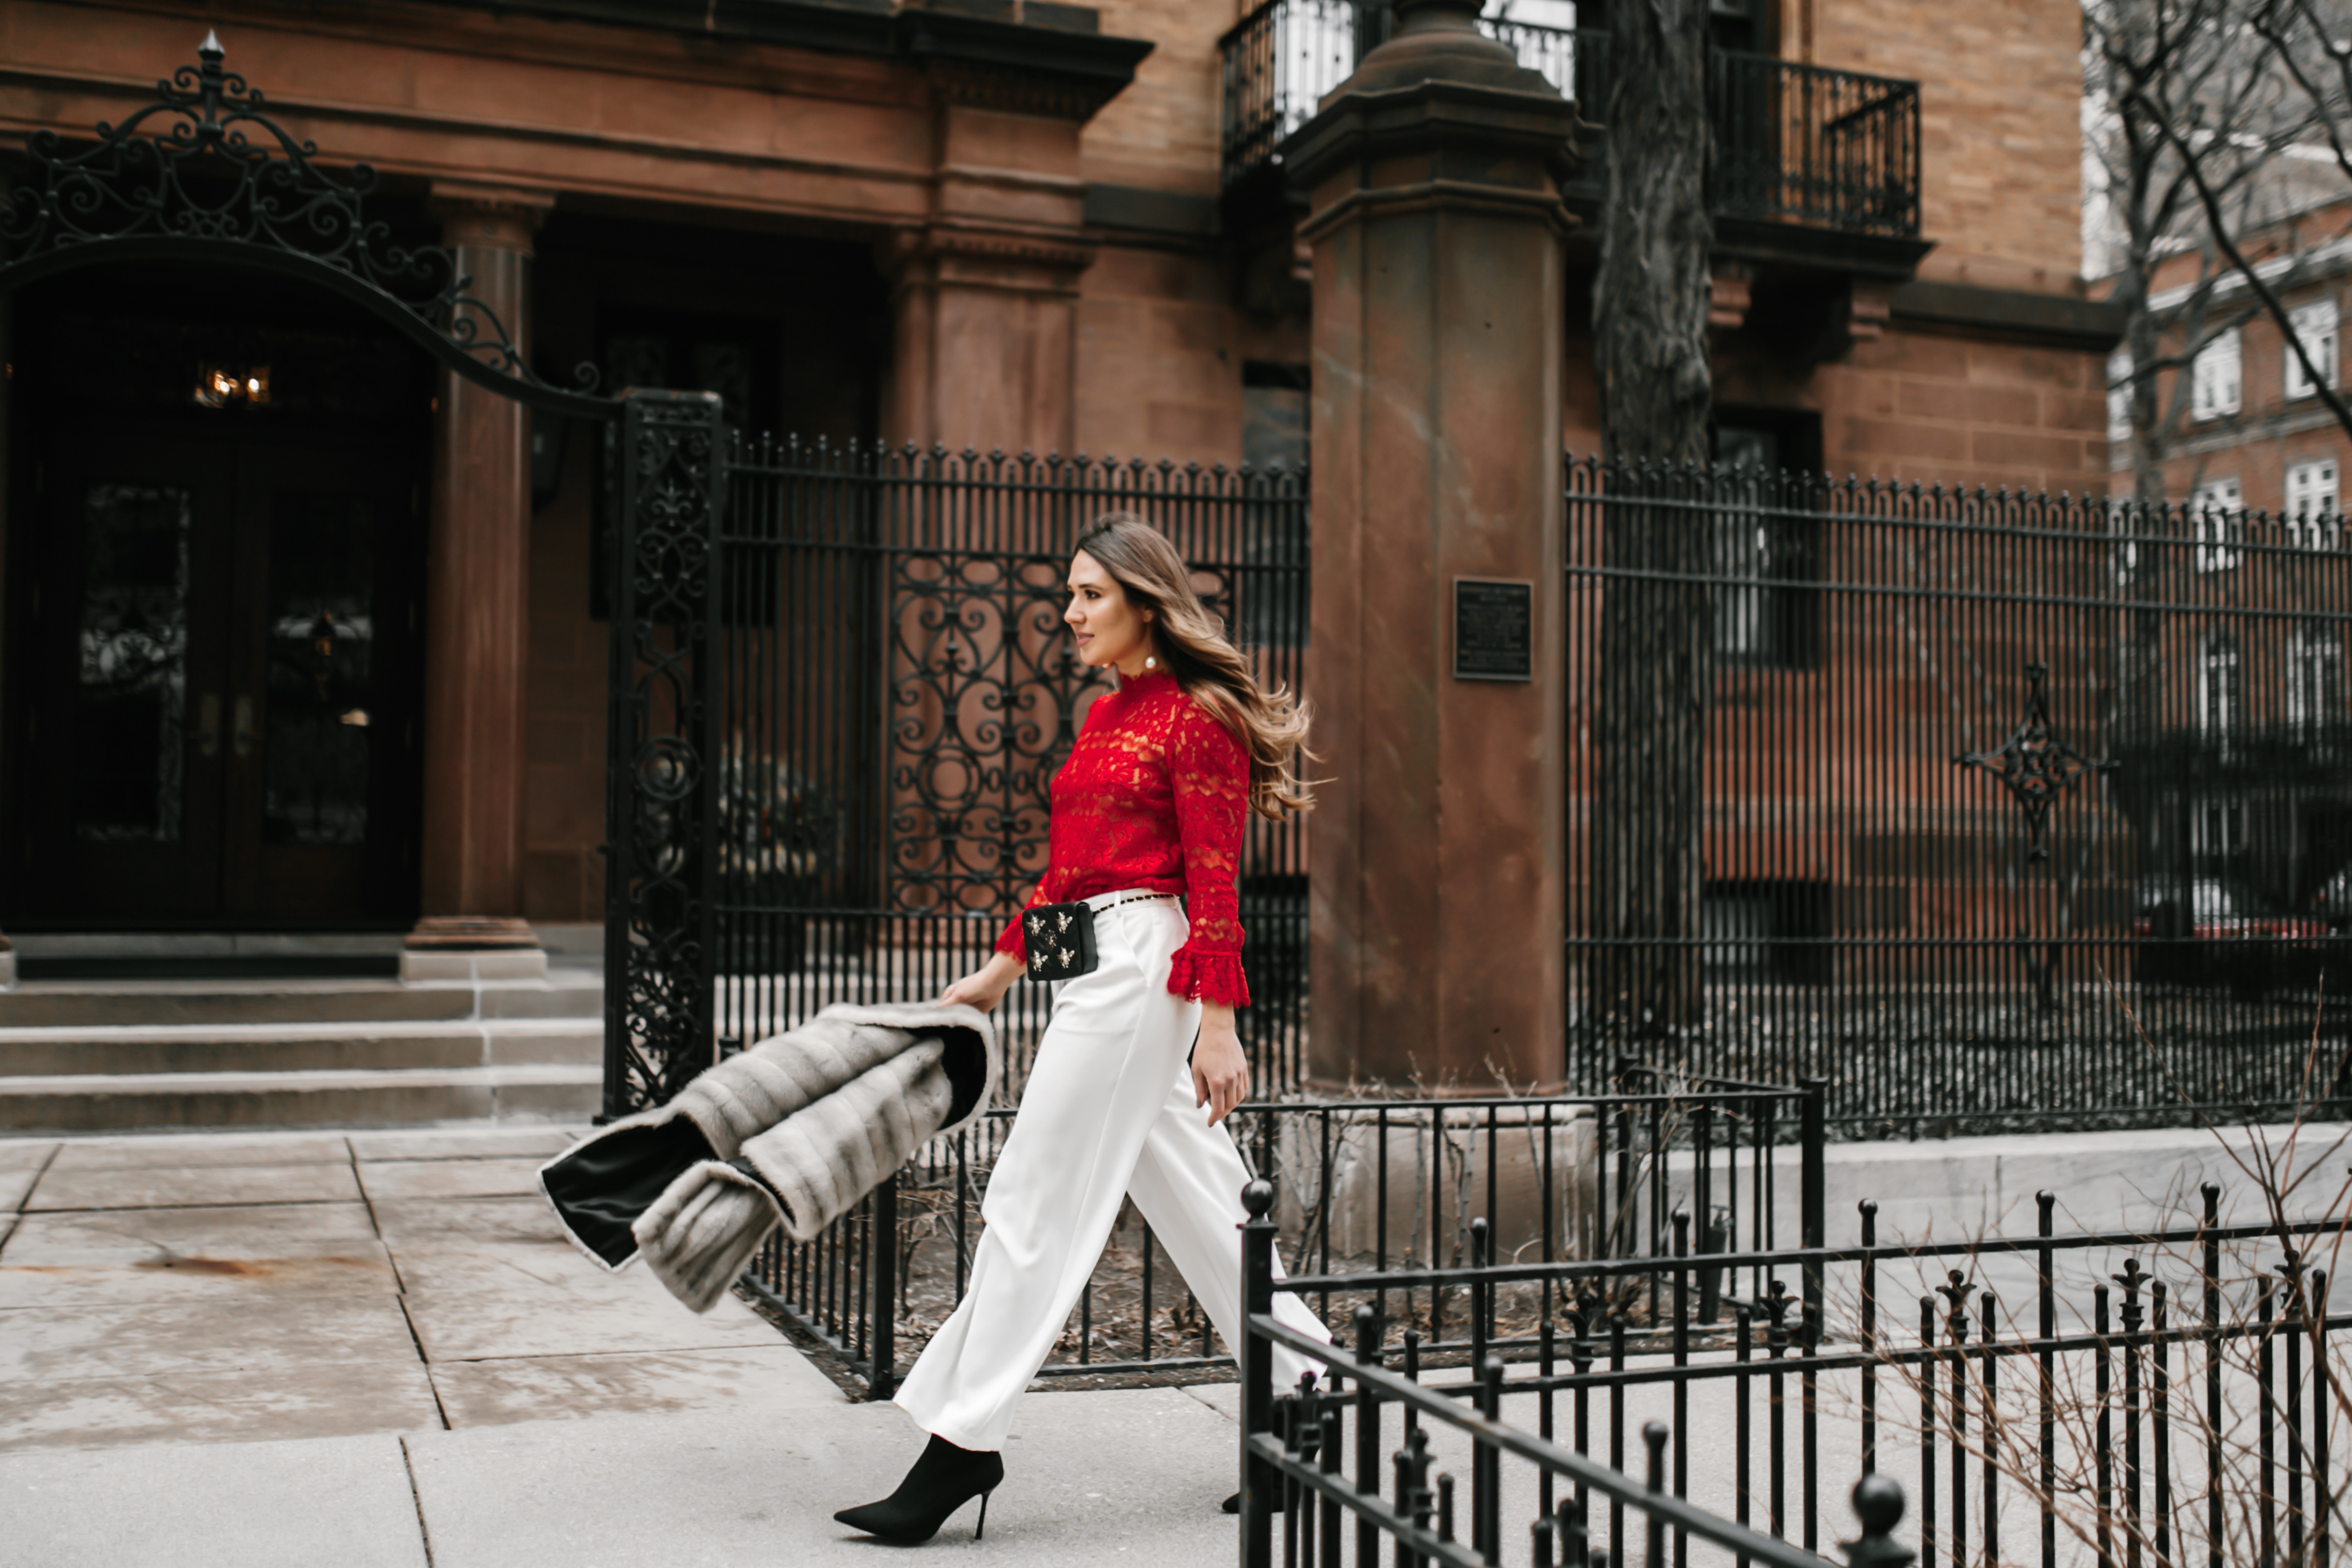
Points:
88	1102
85	1004
300	1048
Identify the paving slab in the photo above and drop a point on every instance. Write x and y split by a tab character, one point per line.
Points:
26	1153
269	1337
774	1378
329	1401
552	1301
489	1142
466	1224
1125	1477
130	1256
16	1185
184	1150
451	1179
256	1505
168	1187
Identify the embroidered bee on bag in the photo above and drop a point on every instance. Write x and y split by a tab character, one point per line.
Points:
1065	958
1036	923
1066	924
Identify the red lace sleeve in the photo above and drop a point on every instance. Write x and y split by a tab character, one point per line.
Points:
1210	770
1010	941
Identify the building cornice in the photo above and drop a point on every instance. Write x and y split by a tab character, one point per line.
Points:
2061	320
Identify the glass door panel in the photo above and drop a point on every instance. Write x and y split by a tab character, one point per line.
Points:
123	647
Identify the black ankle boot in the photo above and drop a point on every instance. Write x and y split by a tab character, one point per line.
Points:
944	1479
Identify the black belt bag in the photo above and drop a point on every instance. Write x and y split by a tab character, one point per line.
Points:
1059	941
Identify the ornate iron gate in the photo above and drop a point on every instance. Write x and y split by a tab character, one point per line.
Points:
838	703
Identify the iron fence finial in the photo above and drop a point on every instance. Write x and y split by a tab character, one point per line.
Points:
1878	1503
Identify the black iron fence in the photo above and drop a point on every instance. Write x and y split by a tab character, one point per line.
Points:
1998	810
1367	1188
2058	1400
838	700
1295	1448
1792	142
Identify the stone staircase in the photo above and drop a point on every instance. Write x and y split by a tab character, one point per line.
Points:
121	1055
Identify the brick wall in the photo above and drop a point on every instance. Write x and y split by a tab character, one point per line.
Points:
2001	93
1162	132
1934	408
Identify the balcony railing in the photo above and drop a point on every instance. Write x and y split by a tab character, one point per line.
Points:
1793	144
1798	143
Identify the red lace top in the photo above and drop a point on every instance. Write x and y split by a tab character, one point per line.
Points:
1154	796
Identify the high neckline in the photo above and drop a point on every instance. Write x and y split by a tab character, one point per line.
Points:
1150	680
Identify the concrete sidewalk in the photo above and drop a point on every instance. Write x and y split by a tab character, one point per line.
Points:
376	1348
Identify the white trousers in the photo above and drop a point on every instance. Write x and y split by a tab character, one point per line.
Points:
1108	1112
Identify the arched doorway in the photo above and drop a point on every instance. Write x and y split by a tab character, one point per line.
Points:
215	552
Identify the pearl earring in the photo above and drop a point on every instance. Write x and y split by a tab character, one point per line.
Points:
1149	663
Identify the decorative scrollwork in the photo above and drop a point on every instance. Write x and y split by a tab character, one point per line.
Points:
2037	768
204	172
661	818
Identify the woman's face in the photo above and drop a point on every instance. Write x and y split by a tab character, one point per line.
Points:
1105	626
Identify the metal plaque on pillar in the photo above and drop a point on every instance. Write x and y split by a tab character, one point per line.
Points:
1493	629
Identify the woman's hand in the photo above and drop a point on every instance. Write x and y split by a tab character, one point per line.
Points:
1219	1071
986	987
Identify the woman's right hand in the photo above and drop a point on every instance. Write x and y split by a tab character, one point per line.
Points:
986	986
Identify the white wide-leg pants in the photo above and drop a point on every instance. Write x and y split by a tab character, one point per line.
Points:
1108	1112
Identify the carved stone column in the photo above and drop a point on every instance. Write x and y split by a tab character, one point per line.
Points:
476	622
1436	859
985	292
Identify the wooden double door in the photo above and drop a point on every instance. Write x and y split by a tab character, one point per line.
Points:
217	662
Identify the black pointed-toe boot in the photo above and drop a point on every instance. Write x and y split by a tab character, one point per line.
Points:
944	1479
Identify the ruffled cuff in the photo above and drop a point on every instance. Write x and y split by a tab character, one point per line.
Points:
1209	977
1011	942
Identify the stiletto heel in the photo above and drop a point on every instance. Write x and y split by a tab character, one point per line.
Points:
944	1479
982	1525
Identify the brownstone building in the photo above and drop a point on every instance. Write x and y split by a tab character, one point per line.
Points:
302	633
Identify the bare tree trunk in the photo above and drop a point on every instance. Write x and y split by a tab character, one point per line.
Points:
1656	666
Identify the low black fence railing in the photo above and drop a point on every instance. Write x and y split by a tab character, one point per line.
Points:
2167	1397
1368	1188
1295	1448
1792	142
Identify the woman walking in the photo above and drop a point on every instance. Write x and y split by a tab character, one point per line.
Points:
1151	804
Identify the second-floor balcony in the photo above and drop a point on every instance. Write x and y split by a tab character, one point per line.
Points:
1794	145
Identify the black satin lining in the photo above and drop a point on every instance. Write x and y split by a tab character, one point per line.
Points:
965	1056
600	1190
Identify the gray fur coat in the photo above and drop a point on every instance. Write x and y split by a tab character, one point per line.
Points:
791	1131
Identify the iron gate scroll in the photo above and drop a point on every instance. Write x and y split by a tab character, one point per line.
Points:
2010	810
839	702
661	790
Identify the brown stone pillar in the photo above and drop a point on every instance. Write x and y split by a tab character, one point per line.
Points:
1436	920
477	622
986	293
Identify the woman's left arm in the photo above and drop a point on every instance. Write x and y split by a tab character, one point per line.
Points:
1210	770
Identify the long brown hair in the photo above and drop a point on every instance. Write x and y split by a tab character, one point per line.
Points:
1270	725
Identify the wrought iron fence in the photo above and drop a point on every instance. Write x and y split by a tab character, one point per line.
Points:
1367	1188
2168	1396
1792	142
840	686
1999	810
1294	1449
